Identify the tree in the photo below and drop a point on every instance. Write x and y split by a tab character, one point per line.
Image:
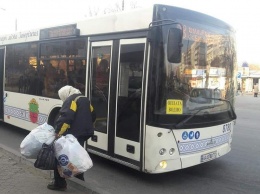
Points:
112	8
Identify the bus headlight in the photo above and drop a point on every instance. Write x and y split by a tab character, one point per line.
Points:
162	151
163	164
171	151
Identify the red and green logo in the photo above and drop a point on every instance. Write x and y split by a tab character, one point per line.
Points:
33	110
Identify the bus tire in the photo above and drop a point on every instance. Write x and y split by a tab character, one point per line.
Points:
53	116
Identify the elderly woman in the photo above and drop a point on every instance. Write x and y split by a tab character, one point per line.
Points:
76	119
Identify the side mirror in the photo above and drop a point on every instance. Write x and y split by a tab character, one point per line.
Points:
174	45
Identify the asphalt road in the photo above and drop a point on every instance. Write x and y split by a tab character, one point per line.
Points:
238	172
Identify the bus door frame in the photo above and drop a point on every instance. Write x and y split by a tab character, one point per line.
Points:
106	144
124	147
2	75
99	141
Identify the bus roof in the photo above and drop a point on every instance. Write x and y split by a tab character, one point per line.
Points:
136	19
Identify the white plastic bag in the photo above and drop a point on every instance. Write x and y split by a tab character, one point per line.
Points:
72	157
33	142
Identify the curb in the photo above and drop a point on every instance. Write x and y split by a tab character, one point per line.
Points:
74	182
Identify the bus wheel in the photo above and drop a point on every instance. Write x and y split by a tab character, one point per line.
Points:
54	115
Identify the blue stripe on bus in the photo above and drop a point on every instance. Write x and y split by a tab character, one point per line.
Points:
204	144
23	114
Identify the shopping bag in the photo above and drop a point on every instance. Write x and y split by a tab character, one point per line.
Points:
46	158
32	143
72	158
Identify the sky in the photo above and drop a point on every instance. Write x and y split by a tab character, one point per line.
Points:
243	15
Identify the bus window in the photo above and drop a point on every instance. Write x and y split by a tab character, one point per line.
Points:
63	63
21	64
100	85
129	91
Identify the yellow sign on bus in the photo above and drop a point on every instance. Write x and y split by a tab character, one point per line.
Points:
174	107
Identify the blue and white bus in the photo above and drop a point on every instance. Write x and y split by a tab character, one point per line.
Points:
161	79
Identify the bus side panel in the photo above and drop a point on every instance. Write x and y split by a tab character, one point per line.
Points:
27	111
201	145
156	140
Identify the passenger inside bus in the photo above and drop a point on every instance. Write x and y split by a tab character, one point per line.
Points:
50	77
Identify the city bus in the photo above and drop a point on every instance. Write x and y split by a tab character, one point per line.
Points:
161	79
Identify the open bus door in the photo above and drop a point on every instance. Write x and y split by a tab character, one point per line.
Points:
116	90
2	52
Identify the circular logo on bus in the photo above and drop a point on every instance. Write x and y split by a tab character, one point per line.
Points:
197	135
185	135
191	134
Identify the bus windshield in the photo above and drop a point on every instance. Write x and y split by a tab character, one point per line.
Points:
204	75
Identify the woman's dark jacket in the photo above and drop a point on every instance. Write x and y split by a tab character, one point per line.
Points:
75	117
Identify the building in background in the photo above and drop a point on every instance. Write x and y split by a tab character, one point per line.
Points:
247	77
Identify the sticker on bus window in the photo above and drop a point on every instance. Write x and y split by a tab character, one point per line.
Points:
174	107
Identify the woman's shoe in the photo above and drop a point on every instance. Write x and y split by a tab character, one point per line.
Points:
53	186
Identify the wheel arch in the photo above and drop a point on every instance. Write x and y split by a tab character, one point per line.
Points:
53	116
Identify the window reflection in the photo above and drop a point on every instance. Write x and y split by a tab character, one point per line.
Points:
100	85
208	58
129	91
60	63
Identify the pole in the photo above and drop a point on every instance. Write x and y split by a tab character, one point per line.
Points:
15	24
123	5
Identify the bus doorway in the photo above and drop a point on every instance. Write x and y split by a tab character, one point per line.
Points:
116	90
2	51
